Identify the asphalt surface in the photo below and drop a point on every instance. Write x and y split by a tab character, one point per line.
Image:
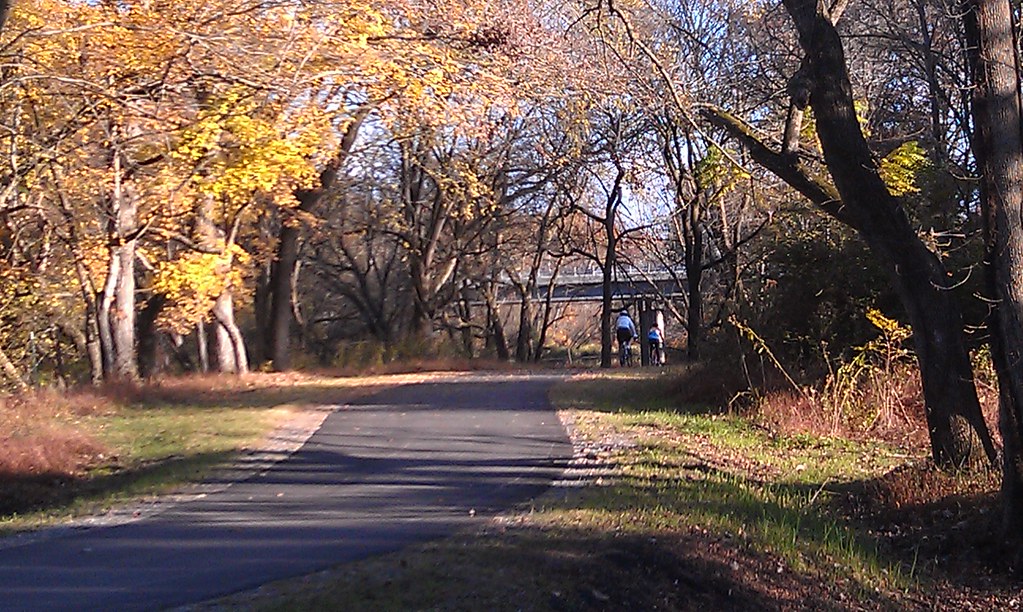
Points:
409	464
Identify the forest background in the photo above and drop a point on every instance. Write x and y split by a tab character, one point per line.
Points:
193	187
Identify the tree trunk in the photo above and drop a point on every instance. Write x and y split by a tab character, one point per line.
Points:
122	313
288	245
957	430
226	362
524	340
465	322
998	147
106	302
610	260
202	347
545	318
280	294
261	306
94	347
496	326
606	286
149	335
231	354
694	278
421	323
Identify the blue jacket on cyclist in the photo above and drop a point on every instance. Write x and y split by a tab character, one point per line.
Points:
654	335
656	340
626	328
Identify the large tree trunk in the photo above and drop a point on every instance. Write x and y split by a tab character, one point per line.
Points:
106	303
694	279
149	336
524	340
283	270
495	327
610	260
202	347
230	344
94	347
998	147
122	315
957	430
231	354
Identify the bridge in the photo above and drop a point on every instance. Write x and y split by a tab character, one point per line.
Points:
640	288
628	282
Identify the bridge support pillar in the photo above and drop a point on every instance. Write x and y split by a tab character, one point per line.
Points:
649	313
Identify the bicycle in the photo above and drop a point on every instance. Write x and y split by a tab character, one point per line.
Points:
625	353
656	354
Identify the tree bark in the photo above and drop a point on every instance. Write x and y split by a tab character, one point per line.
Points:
495	327
958	434
122	314
524	339
998	147
202	347
607	267
231	354
694	312
280	292
606	296
106	302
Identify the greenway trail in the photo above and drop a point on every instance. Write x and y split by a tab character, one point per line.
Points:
408	464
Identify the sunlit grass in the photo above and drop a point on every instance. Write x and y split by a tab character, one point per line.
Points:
146	451
725	475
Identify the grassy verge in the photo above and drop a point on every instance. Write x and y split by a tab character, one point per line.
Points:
68	455
682	509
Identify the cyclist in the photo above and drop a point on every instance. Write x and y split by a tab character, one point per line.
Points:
656	340
626	331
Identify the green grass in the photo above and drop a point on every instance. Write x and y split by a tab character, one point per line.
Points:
149	450
153	433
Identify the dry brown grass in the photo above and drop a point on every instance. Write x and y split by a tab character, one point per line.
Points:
38	435
893	413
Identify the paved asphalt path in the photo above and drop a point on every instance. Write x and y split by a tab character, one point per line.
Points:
406	465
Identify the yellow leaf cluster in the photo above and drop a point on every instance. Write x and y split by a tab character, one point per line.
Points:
717	170
900	168
237	154
892	329
192	283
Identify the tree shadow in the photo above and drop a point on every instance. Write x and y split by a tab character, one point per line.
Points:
54	492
